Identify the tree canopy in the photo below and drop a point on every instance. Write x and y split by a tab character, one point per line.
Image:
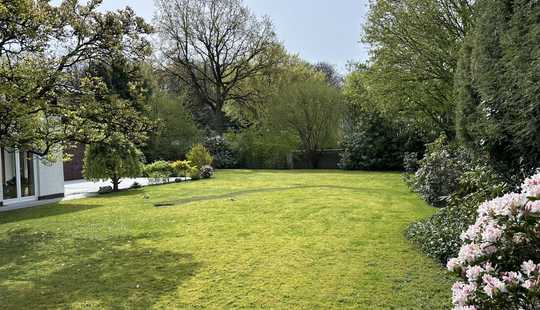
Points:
306	105
46	98
215	46
113	160
176	132
498	85
415	45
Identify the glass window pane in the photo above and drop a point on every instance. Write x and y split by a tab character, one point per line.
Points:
27	174
9	175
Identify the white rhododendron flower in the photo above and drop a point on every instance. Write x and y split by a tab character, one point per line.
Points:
528	267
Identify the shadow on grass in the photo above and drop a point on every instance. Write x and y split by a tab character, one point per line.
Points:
44	270
177	202
69	206
43	211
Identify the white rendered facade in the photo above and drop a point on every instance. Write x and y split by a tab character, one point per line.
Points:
25	177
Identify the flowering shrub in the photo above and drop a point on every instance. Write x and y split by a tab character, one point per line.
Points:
221	150
207	172
500	258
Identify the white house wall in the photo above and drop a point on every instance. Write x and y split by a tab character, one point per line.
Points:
50	179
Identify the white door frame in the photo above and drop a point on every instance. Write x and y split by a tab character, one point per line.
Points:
18	180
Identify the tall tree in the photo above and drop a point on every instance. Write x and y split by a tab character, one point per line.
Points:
215	46
498	85
177	130
44	99
307	106
414	50
331	75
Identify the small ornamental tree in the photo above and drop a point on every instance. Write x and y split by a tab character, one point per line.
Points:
199	156
500	258
112	161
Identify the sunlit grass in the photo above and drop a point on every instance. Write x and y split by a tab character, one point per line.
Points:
270	239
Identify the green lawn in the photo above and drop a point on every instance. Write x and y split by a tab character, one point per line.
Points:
245	239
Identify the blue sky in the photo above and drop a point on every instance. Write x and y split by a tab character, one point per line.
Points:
317	30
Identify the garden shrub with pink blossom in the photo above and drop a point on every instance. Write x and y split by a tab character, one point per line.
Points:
500	257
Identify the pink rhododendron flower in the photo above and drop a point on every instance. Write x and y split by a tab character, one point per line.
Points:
492	285
461	292
531	283
453	265
503	225
506	205
488	267
492	233
519	238
473	272
472	232
534	206
469	252
488	248
531	186
512	278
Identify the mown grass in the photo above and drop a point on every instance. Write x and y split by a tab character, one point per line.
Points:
245	239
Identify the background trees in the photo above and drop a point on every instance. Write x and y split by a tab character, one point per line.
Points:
176	130
306	105
415	45
75	75
498	86
215	46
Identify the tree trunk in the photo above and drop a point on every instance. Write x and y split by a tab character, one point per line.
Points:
115	181
219	120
